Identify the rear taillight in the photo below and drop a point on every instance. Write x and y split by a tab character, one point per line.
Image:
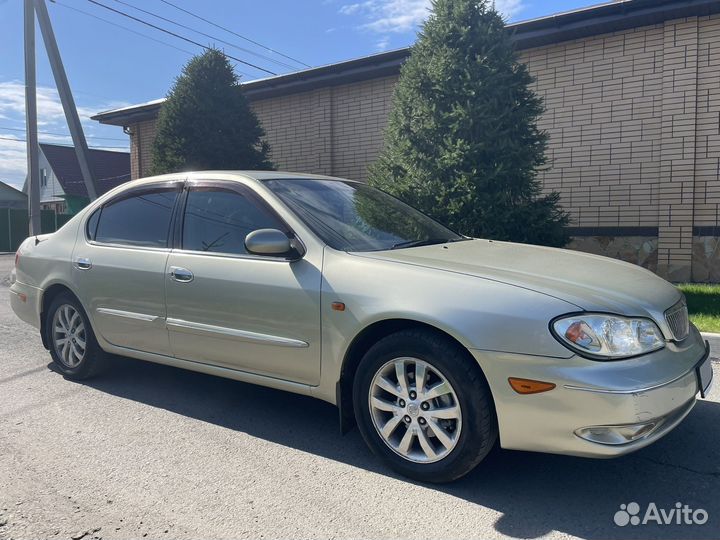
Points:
17	257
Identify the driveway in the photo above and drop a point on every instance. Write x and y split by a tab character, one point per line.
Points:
149	450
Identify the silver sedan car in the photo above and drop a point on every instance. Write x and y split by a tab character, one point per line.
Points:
438	346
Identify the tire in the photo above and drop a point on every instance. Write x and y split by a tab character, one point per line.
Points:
444	445
69	356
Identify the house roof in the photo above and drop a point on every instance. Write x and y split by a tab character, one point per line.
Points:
594	20
11	197
110	168
8	191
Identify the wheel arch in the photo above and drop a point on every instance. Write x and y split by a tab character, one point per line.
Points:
49	294
361	343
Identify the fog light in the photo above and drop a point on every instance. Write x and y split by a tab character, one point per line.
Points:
622	434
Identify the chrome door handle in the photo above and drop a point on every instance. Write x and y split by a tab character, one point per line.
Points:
183	275
83	263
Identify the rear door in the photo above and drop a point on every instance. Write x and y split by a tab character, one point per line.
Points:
229	308
119	267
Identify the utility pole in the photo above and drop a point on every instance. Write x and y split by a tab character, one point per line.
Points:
66	97
33	166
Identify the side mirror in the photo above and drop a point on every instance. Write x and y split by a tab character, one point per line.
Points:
268	242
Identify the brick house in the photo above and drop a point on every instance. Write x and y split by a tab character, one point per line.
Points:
632	92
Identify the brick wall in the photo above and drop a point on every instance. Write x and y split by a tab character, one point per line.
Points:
336	130
142	136
633	119
633	124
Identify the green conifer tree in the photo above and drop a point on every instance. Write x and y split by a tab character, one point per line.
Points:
206	122
462	142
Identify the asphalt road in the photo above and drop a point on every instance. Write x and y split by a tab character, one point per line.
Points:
148	450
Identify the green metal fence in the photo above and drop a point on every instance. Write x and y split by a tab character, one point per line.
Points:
14	225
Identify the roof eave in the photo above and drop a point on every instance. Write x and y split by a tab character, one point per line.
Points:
606	18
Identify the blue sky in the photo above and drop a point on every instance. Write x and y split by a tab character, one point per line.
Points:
109	66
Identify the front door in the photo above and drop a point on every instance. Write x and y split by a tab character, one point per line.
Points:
119	267
226	307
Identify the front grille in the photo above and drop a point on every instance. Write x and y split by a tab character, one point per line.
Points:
677	319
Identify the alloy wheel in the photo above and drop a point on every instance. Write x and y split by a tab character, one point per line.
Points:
68	336
415	410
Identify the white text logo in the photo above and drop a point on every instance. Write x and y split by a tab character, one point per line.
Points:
680	514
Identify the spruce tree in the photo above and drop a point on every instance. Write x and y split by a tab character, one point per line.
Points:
462	142
206	122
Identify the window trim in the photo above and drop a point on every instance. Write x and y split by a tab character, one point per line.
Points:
88	236
245	191
176	185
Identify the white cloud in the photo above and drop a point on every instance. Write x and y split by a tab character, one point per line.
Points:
51	118
13	162
398	16
388	15
350	9
49	107
509	8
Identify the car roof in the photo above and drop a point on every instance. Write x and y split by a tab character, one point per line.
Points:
240	175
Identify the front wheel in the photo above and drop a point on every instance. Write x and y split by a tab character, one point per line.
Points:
73	347
424	406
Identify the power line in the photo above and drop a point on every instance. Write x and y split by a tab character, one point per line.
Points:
235	33
61	134
170	32
186	27
123	27
190	53
94	147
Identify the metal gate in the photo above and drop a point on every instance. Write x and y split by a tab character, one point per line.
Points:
14	226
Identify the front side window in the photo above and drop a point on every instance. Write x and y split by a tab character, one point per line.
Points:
350	216
140	219
217	220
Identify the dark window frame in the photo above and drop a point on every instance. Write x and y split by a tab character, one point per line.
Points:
244	191
172	185
90	235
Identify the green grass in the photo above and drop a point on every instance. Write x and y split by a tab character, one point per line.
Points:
703	305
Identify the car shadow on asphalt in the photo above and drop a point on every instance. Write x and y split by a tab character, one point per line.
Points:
535	493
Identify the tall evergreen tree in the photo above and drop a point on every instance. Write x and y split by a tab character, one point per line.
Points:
462	141
206	122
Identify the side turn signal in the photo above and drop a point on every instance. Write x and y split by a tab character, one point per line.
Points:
528	386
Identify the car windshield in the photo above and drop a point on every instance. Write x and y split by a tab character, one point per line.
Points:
351	216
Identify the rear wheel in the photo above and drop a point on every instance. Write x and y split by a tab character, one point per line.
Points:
73	346
424	406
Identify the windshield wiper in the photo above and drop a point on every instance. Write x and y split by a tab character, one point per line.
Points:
426	242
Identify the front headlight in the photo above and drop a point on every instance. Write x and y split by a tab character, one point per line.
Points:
608	336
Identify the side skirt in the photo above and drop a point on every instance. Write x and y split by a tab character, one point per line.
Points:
226	373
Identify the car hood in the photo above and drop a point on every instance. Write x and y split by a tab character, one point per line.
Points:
591	282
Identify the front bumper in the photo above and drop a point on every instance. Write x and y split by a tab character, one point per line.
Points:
659	387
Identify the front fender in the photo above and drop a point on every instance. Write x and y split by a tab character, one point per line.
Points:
479	313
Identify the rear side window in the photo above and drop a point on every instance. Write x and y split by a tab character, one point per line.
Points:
141	219
218	220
